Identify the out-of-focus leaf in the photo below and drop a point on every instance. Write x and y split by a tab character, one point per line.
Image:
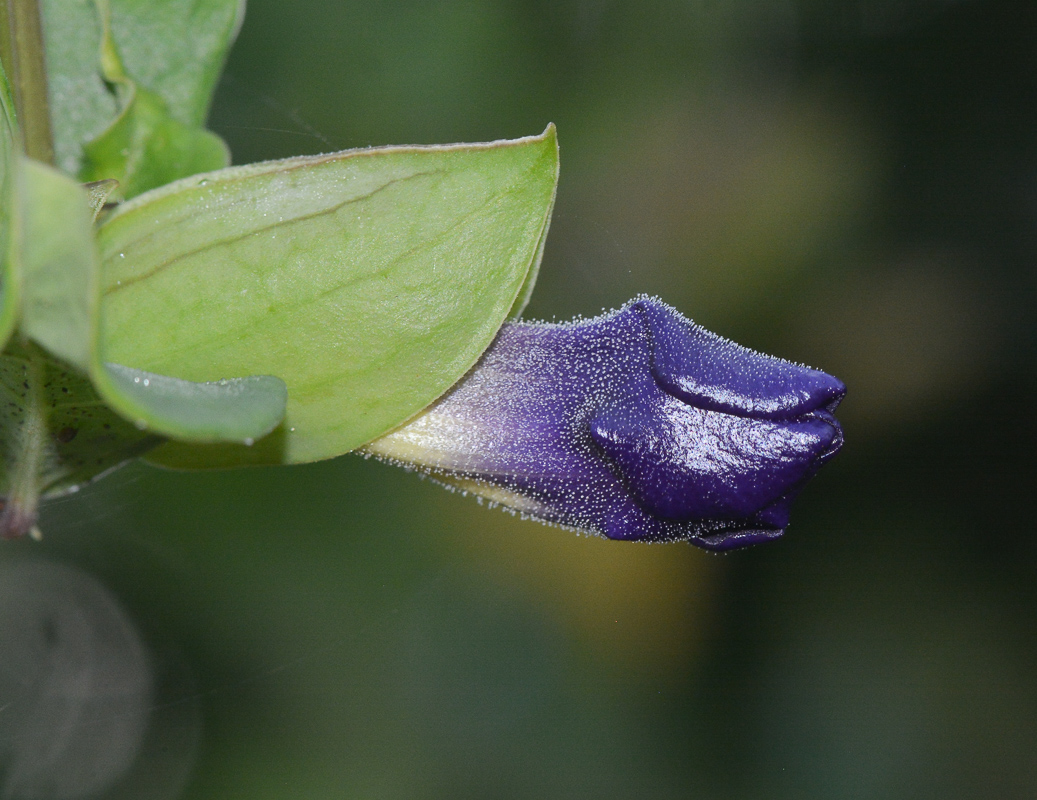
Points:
369	280
173	49
176	48
7	111
81	106
9	294
56	433
58	264
146	147
59	306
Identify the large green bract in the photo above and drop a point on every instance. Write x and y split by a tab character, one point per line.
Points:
369	281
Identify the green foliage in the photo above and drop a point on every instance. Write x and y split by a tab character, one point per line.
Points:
145	146
130	86
370	281
81	106
224	410
59	312
97	193
176	48
57	264
67	415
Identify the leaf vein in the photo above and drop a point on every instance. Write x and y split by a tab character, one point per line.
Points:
110	290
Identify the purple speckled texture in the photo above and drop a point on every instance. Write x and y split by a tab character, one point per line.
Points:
637	425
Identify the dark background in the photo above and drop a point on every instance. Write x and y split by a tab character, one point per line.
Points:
848	184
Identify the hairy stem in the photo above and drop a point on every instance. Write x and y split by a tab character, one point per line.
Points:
32	444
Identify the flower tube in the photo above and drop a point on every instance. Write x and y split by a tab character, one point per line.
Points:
637	425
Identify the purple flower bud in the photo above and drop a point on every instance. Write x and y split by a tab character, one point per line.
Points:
636	425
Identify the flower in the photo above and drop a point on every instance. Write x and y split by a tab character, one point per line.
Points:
637	425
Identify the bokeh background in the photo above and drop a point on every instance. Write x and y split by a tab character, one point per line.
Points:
848	184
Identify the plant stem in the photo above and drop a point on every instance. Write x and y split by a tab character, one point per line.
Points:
21	47
29	456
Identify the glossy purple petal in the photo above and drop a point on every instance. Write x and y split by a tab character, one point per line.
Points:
636	425
714	373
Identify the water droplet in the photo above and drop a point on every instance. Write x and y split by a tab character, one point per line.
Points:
147	382
122	255
136	380
249	441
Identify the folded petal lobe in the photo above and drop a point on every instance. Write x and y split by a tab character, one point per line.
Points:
684	463
711	372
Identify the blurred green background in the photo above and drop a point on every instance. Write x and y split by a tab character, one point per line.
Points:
848	184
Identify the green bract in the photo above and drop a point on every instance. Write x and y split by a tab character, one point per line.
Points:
269	314
370	281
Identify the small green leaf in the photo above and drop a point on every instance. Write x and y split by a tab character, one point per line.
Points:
59	312
176	48
81	106
146	147
173	49
370	280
